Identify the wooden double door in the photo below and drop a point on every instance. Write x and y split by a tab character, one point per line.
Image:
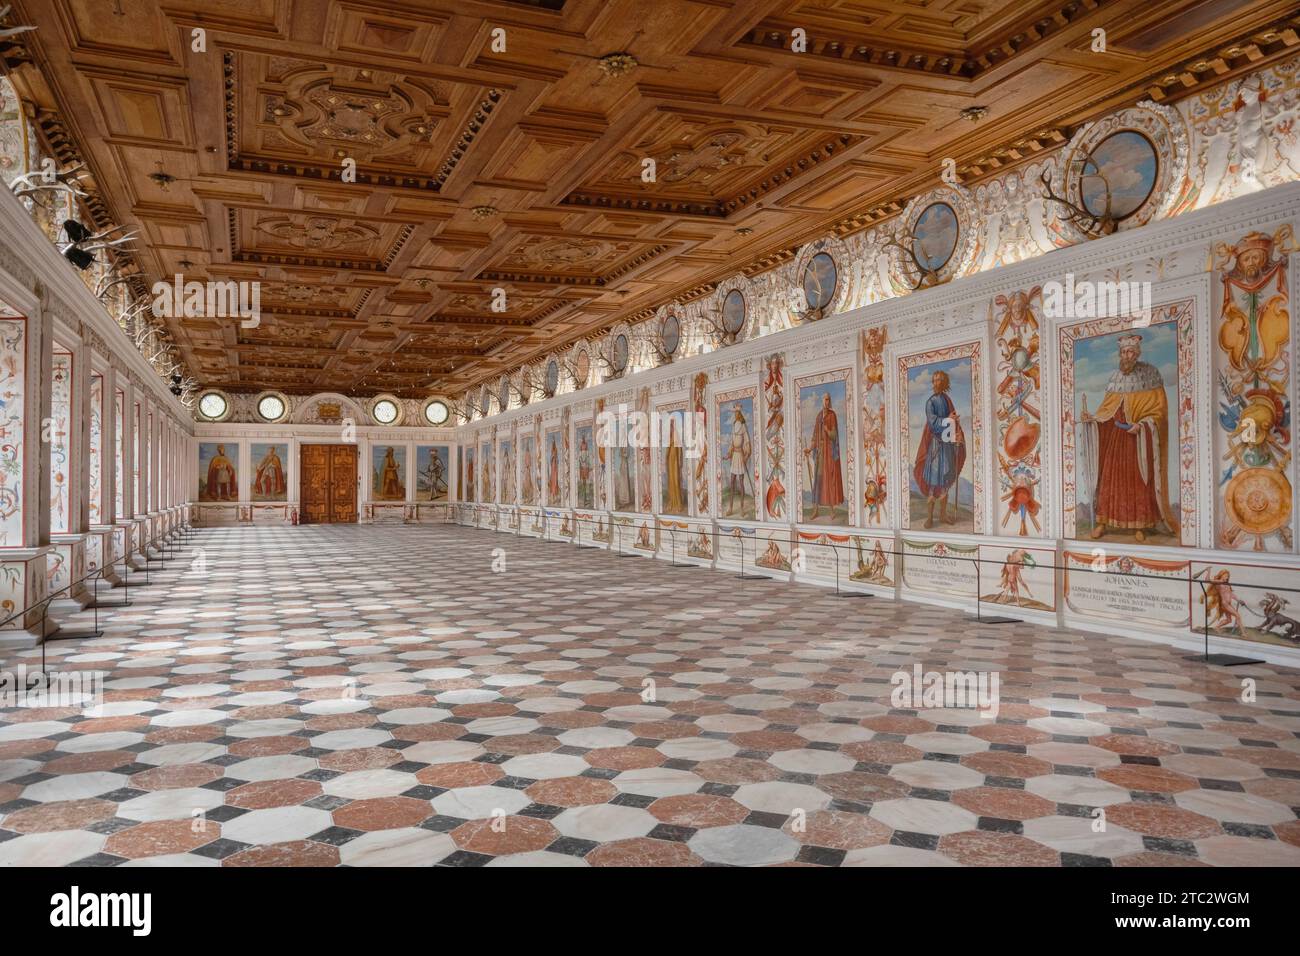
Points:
327	483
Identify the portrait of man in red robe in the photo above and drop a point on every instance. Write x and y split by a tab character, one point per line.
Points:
221	484
822	455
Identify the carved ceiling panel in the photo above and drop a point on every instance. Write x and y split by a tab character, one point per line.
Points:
523	169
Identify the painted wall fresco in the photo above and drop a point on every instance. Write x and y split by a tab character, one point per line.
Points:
737	462
508	471
826	455
1255	467
774	476
857	559
940	402
702	477
96	463
13	368
645	502
674	466
218	471
585	464
60	440
488	478
1016	319
432	472
623	468
600	463
1018	577
1246	602
270	471
528	469
557	469
1127	588
388	472
943	567
685	541
119	454
469	481
1128	414
875	469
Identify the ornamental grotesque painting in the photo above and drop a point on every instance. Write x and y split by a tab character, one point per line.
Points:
1253	359
1015	318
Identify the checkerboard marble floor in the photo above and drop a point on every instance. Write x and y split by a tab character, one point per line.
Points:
366	695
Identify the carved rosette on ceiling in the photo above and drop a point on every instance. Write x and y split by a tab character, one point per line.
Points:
1133	164
356	120
317	233
939	232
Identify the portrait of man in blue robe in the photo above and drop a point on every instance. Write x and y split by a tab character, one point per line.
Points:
941	453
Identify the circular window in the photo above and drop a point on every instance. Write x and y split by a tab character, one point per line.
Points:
936	235
213	405
436	411
733	312
271	407
385	411
1118	176
819	279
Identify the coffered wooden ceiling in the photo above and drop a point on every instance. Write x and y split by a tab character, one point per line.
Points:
522	169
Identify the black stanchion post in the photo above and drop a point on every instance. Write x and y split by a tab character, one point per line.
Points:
1222	660
838	592
996	618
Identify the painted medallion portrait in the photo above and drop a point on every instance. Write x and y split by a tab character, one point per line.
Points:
218	475
1125	386
552	377
1120	173
823	444
672	463
936	235
819	280
584	446
941	490
388	472
432	470
734	310
670	333
620	354
737	496
270	471
581	369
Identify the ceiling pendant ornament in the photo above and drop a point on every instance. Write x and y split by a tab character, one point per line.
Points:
938	239
1120	172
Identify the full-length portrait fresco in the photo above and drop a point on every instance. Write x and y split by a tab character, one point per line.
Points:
938	402
388	472
585	461
673	494
218	476
528	469
825	453
736	455
270	477
941	431
432	472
